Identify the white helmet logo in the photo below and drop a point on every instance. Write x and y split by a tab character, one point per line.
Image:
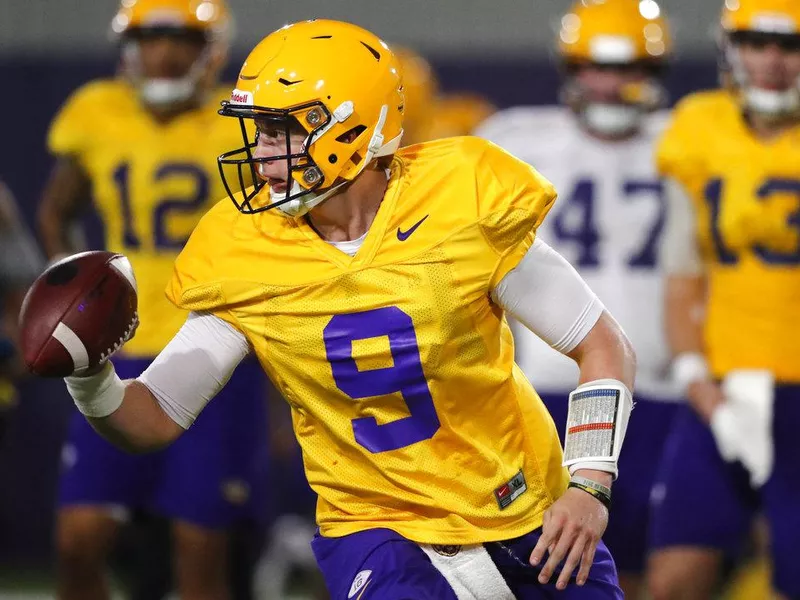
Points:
240	97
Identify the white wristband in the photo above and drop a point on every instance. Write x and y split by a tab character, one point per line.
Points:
687	368
97	395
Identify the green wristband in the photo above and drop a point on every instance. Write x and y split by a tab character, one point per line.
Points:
592	484
601	492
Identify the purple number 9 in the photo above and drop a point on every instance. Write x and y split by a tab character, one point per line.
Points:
406	376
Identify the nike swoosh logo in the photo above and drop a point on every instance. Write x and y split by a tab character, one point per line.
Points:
404	235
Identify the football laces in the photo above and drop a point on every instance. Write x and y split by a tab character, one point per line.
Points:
104	356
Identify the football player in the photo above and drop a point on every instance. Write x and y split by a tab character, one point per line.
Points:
430	114
458	113
420	92
143	147
732	250
373	284
598	152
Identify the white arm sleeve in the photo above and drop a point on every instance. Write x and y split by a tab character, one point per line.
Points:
194	366
679	252
544	293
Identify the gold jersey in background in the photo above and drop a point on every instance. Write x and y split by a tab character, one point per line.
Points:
746	195
151	183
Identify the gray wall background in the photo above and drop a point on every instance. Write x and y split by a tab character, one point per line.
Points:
441	27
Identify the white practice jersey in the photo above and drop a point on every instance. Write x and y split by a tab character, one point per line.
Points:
607	222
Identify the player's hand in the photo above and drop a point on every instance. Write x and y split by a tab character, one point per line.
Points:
571	530
705	397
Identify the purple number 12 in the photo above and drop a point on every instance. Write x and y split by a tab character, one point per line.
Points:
405	376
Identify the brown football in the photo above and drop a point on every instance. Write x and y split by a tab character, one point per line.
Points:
77	313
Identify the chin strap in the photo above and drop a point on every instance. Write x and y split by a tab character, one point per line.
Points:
300	206
376	146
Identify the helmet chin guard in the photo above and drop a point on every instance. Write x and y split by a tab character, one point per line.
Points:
611	120
617	118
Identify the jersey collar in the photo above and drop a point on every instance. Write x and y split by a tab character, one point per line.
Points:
375	235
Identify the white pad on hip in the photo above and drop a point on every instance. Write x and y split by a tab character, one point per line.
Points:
470	571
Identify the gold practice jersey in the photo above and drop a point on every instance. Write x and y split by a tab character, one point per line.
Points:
399	368
746	194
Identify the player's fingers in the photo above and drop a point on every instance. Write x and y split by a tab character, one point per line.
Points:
587	561
568	533
549	532
573	559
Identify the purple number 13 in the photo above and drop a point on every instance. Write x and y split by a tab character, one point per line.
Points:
405	376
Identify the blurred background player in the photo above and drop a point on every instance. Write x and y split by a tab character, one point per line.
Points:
143	147
420	91
20	264
732	250
431	114
597	150
458	114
